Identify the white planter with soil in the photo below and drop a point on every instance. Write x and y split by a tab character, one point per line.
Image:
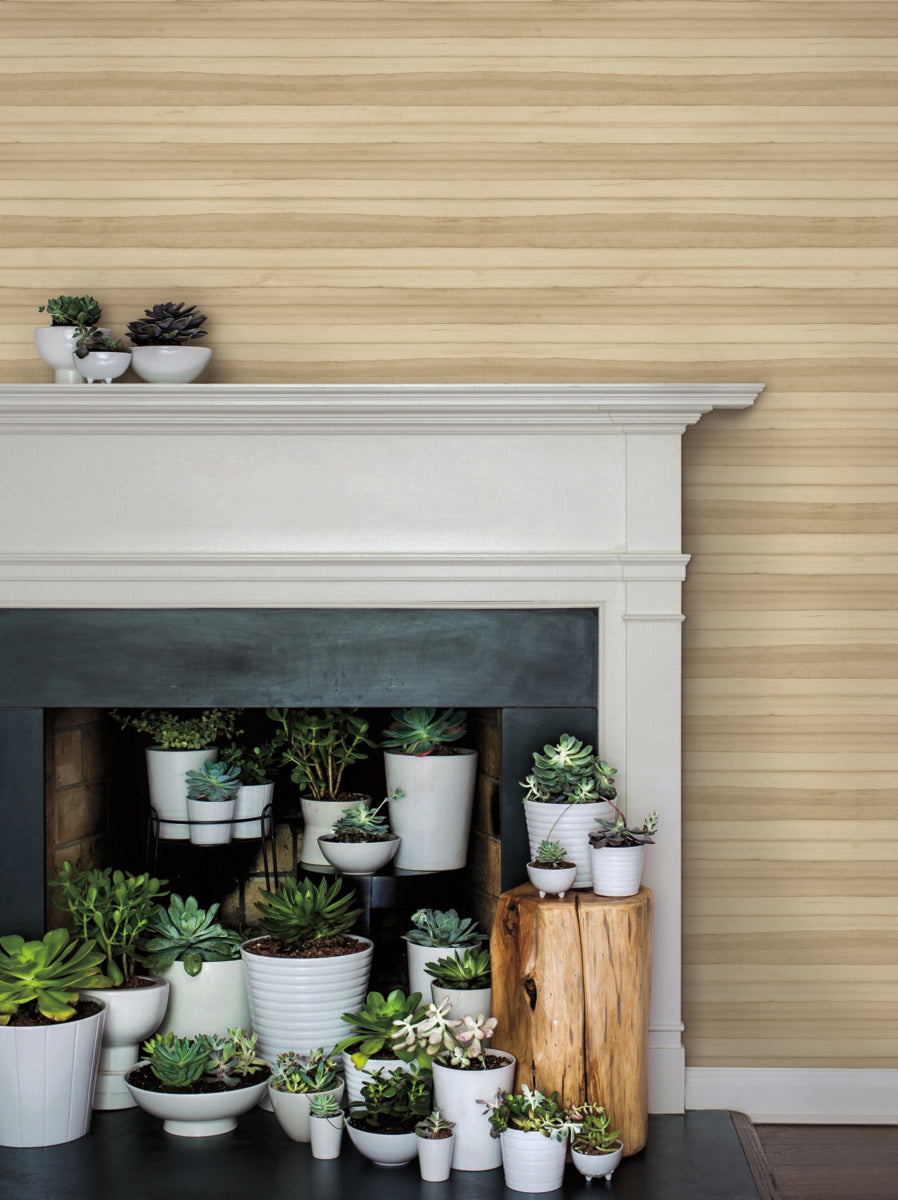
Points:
531	1162
204	1114
569	824
210	821
292	1110
252	800
464	1000
213	1001
166	771
318	820
435	1157
456	1094
551	881
132	1015
433	817
358	858
598	1166
617	870
384	1149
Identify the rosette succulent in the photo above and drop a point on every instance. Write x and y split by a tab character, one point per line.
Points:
167	324
419	731
186	933
72	310
213	781
569	773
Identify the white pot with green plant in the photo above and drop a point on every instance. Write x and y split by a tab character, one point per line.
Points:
257	766
596	1148
436	1142
381	1125
211	798
550	872
533	1132
50	1038
618	853
113	908
464	982
182	744
567	791
370	1046
200	959
360	841
162	340
325	1126
55	342
431	784
437	933
99	355
296	1080
319	745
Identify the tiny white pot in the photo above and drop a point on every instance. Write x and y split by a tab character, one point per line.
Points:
598	1166
292	1110
569	824
358	858
166	775
357	1077
384	1149
456	1094
169	364
551	882
55	344
531	1162
617	870
435	1157
318	820
464	1000
419	956
433	817
212	1002
325	1135
132	1014
102	364
210	821
202	1115
252	800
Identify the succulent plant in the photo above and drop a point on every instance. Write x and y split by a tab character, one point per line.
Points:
363	824
186	933
398	1099
549	854
230	1059
374	1025
72	310
47	973
434	1126
529	1110
173	732
301	912
462	1038
320	744
438	928
324	1106
617	832
176	1061
95	339
213	781
419	731
256	764
592	1128
569	773
167	324
462	972
305	1073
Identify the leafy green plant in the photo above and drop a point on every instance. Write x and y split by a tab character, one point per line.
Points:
305	1073
256	764
320	744
301	912
95	339
214	781
462	972
434	1126
173	732
398	1099
592	1129
72	310
363	824
47	974
530	1111
462	1038
167	324
232	1058
186	933
177	1061
420	731
435	927
549	854
374	1025
324	1106
618	833
113	909
569	773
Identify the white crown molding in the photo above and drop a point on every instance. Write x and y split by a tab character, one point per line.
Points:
511	409
798	1095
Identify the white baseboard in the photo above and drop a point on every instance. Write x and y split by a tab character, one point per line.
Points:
807	1096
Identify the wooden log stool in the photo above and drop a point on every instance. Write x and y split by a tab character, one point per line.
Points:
571	986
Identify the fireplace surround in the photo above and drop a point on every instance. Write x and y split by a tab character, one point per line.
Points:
171	500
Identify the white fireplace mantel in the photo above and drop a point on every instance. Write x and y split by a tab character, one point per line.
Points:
398	496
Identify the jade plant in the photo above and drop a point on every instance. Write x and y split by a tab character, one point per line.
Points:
256	764
320	744
188	934
214	781
393	1100
462	972
300	912
420	731
616	832
44	976
72	310
373	1027
171	731
167	324
436	927
569	773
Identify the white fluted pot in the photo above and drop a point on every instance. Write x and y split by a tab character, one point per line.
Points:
433	817
569	824
455	1094
617	870
212	1002
132	1014
166	776
531	1162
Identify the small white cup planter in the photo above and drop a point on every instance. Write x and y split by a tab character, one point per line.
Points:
56	344
464	1000
598	1166
569	824
318	820
169	364
384	1149
455	1094
194	1116
617	870
419	956
531	1162
210	821
102	364
433	816
358	858
212	1002
166	771
551	881
132	1014
357	1077
292	1110
252	800
325	1135
435	1157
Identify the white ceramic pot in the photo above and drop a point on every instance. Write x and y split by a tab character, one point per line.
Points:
433	817
456	1094
102	364
464	1000
419	956
569	824
252	800
325	1135
435	1158
55	344
531	1162
203	1115
385	1149
212	1002
357	1077
550	881
358	858
47	1077
296	1004
597	1166
166	775
210	821
617	870
318	820
292	1110
169	364
132	1014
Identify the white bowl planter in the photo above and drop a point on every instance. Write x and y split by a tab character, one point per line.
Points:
385	1149
55	344
169	364
318	820
292	1110
47	1077
456	1094
325	1135
358	858
433	817
202	1115
419	957
569	824
464	1000
210	821
531	1162
357	1077
132	1014
596	1166
102	364
435	1157
166	771
617	870
212	1002
551	881
252	800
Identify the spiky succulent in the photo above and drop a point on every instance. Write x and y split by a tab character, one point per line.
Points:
95	339
47	973
324	1106
72	310
232	1058
167	324
177	1061
549	854
363	824
186	933
462	972
438	928
420	730
213	781
305	1073
569	773
301	912
434	1126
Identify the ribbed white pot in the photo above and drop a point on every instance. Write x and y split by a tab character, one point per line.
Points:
296	1003
318	820
385	1149
435	1158
47	1077
358	858
569	824
212	1002
166	771
292	1110
433	817
531	1162
325	1135
549	881
55	344
617	870
201	1115
419	956
456	1094
464	1000
252	799
357	1077
132	1014
596	1166
210	821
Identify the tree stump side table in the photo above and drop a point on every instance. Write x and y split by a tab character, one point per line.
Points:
571	988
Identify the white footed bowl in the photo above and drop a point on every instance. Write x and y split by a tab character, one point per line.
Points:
102	364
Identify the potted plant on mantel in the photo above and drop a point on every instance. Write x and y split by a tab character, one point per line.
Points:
162	339
618	853
360	841
56	341
550	872
211	798
98	355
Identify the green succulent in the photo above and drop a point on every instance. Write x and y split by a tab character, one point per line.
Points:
94	339
72	310
320	744
256	764
230	1059
438	928
173	732
549	854
186	933
363	824
529	1110
569	773
167	324
434	1125
302	912
397	1098
47	973
324	1106
374	1025
305	1073
420	730
177	1061
462	972
593	1128
617	833
213	781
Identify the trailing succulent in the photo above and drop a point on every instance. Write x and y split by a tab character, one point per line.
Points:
213	781
167	324
182	1061
618	833
186	933
569	773
94	339
72	310
443	928
301	912
419	731
173	732
47	974
462	972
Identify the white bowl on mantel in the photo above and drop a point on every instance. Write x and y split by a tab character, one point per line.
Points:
169	364
102	364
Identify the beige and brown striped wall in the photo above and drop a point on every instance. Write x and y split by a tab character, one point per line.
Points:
475	190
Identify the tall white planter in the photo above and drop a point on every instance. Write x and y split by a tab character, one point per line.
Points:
325	1134
456	1094
435	1158
531	1162
132	1014
47	1077
56	344
212	1002
617	870
166	772
210	821
464	1000
433	817
318	820
419	956
252	800
569	824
